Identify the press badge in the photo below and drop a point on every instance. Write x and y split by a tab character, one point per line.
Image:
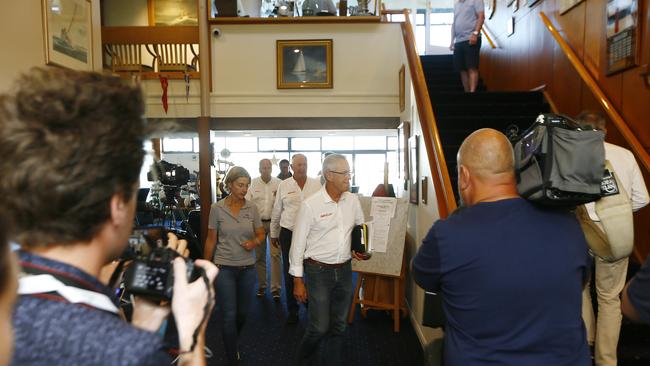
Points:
608	186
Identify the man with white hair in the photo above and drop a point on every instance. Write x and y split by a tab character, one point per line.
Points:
321	260
290	194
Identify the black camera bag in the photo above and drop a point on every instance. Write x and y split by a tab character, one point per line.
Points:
559	162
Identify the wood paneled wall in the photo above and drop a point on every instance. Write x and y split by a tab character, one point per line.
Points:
530	58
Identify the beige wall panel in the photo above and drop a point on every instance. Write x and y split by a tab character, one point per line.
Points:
21	39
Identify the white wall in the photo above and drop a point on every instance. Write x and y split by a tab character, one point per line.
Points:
365	65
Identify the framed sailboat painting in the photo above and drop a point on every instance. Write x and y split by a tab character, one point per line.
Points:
67	27
304	64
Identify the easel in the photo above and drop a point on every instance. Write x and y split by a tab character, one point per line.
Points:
380	292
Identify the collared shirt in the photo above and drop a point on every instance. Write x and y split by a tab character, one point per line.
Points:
262	194
323	229
287	203
232	231
628	175
51	331
465	18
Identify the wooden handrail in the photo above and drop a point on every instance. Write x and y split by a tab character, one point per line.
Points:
437	163
613	114
487	36
150	35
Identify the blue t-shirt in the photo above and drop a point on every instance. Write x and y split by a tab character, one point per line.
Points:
639	292
511	276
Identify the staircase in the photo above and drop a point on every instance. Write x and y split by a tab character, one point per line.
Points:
458	114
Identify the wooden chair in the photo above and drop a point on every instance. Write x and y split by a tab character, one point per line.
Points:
174	57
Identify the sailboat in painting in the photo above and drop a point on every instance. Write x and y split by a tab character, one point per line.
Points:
299	68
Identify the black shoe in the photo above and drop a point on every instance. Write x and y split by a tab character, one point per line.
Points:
276	295
292	318
261	291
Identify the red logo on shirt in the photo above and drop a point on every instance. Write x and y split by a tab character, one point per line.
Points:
326	214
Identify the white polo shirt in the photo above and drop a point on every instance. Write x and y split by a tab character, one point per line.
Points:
323	230
262	194
287	203
628	175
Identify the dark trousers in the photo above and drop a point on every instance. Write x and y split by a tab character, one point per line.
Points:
285	245
329	292
234	287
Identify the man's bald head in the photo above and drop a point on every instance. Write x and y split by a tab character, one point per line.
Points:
487	153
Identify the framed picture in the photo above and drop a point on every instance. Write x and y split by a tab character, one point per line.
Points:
304	64
172	12
402	89
67	28
413	171
623	41
403	134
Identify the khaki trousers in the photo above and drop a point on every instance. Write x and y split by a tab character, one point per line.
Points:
603	332
260	262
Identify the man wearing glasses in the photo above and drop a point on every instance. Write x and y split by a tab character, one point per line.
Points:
320	260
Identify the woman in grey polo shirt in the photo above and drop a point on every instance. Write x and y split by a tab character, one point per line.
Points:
236	229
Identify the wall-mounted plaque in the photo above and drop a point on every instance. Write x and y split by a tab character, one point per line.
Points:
622	37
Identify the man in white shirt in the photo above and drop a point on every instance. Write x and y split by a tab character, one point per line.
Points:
603	332
321	253
291	192
262	193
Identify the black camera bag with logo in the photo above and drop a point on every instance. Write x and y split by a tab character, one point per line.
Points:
559	162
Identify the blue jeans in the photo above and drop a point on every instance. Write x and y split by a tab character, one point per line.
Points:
329	292
234	293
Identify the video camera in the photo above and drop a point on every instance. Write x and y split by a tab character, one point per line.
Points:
169	174
151	274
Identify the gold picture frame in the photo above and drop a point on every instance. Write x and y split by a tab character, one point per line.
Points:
173	13
304	64
68	33
402	89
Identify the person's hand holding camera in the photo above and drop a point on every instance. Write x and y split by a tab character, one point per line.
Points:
191	306
149	315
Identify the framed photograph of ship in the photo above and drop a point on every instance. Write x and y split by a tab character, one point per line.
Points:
172	12
304	64
67	28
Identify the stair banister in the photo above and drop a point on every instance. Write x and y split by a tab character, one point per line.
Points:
437	164
613	114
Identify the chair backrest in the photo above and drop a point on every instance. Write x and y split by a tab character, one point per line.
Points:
125	57
171	56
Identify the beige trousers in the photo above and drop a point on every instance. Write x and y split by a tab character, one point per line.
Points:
603	332
260	262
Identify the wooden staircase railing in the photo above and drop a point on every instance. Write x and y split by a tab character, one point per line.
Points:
637	148
437	163
592	84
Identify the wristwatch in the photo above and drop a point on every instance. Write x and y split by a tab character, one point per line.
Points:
475	33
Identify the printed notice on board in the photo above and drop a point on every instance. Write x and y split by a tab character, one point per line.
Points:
382	209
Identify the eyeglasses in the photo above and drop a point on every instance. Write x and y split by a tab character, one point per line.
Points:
346	173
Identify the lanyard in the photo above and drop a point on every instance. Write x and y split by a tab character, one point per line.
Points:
45	283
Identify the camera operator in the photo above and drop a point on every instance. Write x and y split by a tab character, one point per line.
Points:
71	147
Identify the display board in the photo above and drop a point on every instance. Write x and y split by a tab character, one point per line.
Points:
390	262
